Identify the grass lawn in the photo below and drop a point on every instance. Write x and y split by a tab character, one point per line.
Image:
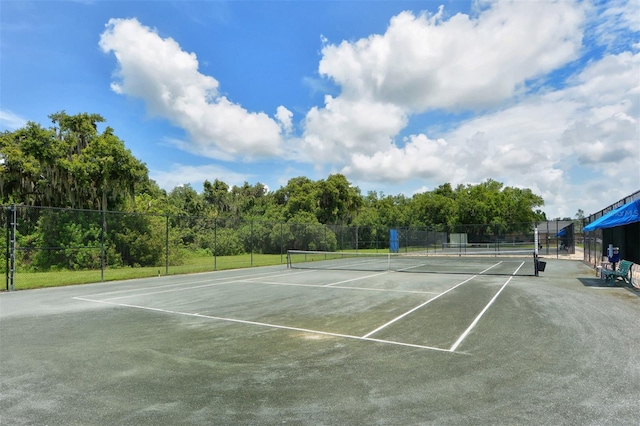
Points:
30	280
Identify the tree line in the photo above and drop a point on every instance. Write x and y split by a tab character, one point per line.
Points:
71	164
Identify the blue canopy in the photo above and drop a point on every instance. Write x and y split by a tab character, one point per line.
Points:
562	233
629	213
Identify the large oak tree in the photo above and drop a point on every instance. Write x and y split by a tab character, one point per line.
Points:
70	164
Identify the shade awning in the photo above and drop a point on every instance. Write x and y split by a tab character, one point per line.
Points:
629	213
562	233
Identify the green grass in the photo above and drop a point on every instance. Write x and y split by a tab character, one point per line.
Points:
31	280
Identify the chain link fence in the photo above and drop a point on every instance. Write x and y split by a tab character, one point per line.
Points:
99	245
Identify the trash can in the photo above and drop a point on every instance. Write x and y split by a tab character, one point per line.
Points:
541	265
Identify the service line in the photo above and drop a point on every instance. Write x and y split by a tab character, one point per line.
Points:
262	324
417	307
475	321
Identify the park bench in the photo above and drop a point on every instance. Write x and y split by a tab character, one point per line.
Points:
622	272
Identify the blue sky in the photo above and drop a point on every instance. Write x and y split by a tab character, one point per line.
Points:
399	96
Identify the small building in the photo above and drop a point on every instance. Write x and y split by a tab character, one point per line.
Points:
618	225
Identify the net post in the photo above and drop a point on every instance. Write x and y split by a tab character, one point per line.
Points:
535	249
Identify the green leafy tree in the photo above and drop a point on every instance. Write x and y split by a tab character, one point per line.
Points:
72	164
433	208
247	200
216	195
32	166
338	200
68	165
299	195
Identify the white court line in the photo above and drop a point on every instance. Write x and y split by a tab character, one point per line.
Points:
516	271
412	267
262	324
417	307
348	267
390	290
475	321
191	287
461	273
490	267
365	337
221	281
356	279
187	283
265	283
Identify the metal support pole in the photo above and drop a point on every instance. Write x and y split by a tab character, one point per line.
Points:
535	249
102	253
282	243
357	240
215	244
12	246
7	251
166	245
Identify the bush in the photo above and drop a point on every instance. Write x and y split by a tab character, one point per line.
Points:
228	243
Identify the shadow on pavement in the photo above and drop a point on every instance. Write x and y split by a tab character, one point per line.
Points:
597	282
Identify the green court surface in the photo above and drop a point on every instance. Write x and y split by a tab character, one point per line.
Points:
279	346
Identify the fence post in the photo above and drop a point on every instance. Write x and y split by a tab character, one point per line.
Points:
102	254
406	239
7	252
166	244
251	240
13	219
215	244
357	239
324	240
557	240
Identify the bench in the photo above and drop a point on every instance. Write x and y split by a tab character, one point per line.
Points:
622	272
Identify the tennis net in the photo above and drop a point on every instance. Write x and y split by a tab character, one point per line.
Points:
516	262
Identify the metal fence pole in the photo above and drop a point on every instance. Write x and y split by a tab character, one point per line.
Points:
281	242
7	252
324	240
166	245
251	240
215	244
12	247
102	254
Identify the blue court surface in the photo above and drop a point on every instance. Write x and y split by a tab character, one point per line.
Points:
287	346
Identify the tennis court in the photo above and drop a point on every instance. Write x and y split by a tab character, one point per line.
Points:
477	262
277	345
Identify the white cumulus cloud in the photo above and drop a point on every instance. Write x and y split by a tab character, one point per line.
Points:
423	62
285	117
182	174
591	125
560	134
158	71
11	121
